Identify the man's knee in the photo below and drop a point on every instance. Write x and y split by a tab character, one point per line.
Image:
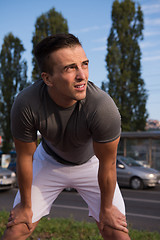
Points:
112	234
20	232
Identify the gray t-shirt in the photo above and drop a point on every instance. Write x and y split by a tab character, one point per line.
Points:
68	133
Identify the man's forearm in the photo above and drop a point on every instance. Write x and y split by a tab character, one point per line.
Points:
107	183
106	153
25	175
25	152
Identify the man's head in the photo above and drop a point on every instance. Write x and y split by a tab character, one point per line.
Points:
49	45
64	68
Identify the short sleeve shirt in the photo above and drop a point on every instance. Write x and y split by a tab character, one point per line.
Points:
69	132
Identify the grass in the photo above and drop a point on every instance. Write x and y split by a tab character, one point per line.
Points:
69	229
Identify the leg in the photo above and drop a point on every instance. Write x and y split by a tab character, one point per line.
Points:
18	232
46	186
45	189
87	185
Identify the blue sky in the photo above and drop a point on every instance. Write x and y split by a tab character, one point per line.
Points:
90	20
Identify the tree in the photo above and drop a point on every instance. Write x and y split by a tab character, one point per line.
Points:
124	64
13	78
47	24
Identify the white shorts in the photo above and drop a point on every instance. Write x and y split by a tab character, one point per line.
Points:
51	177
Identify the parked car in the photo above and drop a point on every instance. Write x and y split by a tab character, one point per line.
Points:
7	178
132	174
12	166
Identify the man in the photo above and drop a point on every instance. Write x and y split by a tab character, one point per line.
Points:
80	127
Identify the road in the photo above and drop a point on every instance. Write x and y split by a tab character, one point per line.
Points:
142	207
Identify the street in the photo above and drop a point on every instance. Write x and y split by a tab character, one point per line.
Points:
142	207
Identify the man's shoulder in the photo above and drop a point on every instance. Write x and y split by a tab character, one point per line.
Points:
98	101
102	114
30	98
95	95
32	93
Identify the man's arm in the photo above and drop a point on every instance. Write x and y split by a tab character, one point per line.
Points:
109	214
22	213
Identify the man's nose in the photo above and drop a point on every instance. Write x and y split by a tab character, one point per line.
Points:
80	74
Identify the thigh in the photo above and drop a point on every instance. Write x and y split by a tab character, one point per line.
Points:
88	188
86	184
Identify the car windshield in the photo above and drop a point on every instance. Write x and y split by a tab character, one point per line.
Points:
130	162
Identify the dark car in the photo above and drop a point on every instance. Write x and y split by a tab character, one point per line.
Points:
132	174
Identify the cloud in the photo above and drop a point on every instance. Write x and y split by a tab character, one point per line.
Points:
152	22
151	58
90	29
151	33
151	8
100	40
103	48
149	44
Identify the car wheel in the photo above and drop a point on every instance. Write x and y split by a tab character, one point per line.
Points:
136	183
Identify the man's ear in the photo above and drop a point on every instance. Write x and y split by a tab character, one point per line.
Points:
46	78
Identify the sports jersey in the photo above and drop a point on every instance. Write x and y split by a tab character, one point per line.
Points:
68	133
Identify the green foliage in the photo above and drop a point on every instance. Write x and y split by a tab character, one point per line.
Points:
69	229
144	235
13	79
47	24
124	67
66	229
3	220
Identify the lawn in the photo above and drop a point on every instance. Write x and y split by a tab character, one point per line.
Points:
69	229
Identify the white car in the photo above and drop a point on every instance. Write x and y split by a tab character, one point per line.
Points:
7	178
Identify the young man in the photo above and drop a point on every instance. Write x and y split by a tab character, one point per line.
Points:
80	127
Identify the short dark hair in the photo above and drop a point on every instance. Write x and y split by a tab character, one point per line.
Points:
50	44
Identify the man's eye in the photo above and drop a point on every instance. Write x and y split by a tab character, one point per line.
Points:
85	65
70	68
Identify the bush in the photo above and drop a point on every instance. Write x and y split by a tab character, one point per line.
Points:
69	229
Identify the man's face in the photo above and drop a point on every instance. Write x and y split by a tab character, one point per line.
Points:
68	82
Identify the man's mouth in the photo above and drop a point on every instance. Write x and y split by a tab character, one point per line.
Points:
80	86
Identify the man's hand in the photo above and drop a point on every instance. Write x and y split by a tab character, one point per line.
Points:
113	218
20	214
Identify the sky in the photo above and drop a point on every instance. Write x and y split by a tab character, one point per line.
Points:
90	21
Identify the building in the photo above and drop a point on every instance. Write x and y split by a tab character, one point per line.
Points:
142	146
152	125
